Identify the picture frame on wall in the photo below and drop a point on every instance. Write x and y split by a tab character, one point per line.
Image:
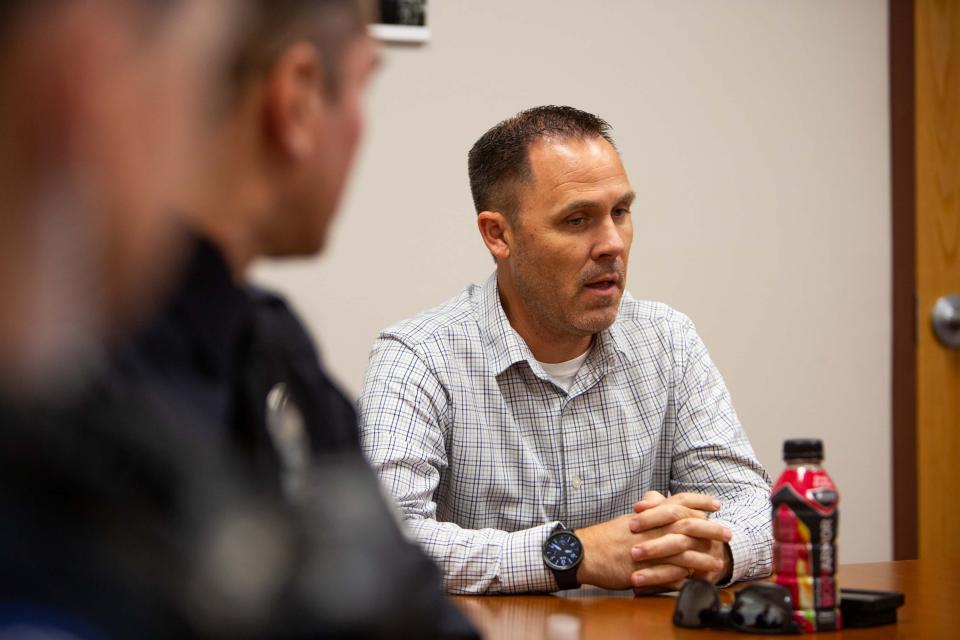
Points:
402	21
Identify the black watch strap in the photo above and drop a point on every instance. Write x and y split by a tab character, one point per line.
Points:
567	579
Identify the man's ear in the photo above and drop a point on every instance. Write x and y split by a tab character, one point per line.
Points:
497	233
294	103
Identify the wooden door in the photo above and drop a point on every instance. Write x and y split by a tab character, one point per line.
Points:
937	135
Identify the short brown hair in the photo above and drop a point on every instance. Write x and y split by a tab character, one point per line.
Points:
273	25
499	161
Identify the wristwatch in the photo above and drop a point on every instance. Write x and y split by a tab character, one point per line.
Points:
563	553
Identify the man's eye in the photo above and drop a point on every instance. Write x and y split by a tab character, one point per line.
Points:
576	222
620	213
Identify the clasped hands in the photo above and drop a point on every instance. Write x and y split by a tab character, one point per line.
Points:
665	541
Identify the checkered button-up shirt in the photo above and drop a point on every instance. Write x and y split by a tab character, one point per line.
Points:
484	455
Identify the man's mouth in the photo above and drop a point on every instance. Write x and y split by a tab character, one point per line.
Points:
603	283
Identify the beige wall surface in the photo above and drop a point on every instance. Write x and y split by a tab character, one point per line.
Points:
756	135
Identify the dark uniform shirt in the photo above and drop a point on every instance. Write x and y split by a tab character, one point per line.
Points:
222	348
153	502
240	358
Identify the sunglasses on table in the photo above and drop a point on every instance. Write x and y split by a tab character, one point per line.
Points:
762	607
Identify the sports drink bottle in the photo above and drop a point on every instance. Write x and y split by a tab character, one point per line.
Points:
805	536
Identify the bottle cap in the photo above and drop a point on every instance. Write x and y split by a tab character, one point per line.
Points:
803	448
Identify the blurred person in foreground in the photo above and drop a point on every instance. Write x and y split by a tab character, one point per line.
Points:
271	181
112	514
519	425
121	516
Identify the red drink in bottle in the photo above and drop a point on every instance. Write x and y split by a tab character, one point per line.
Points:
805	536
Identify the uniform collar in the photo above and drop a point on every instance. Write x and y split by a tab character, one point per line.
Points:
211	309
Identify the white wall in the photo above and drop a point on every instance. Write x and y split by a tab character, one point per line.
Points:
756	135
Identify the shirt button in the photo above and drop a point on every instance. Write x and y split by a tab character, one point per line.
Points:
577	482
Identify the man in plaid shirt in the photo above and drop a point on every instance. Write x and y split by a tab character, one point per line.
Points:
530	428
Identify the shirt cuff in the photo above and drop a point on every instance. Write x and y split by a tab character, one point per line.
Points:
741	550
522	567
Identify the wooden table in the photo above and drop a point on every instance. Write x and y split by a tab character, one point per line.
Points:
932	609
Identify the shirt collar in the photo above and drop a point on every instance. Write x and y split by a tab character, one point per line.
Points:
506	348
502	342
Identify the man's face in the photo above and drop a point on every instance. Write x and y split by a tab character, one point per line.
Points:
572	236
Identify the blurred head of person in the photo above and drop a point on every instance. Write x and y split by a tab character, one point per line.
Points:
275	169
103	103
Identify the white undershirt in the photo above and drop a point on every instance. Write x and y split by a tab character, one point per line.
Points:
563	373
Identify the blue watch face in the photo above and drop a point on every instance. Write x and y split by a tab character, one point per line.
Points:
562	551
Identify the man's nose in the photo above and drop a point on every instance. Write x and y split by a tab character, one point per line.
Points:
609	242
